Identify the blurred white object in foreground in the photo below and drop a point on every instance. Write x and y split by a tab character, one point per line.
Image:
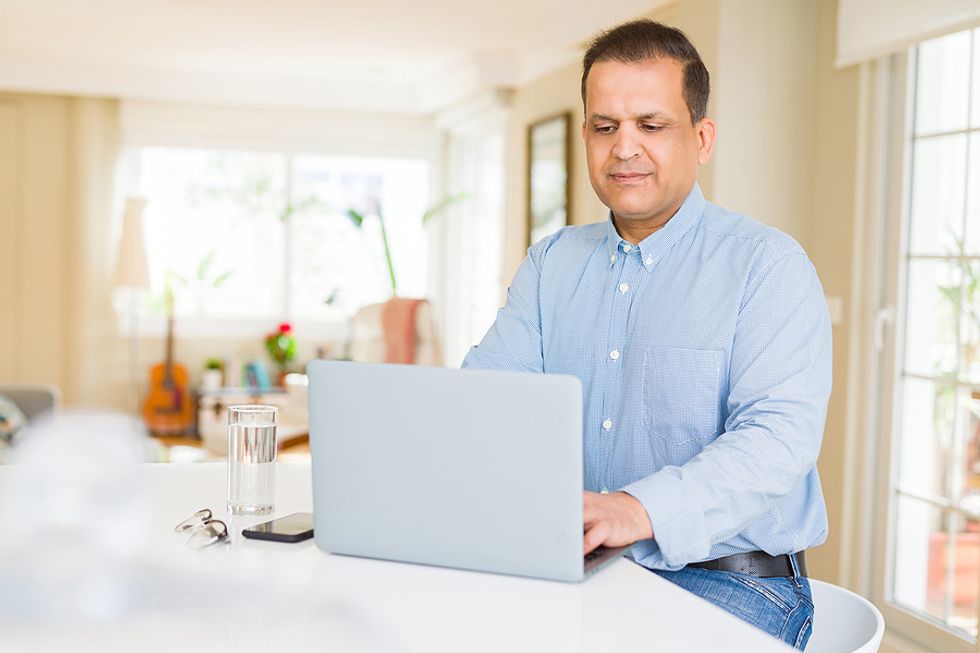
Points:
73	516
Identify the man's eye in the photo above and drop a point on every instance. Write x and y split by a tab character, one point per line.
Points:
652	128
604	129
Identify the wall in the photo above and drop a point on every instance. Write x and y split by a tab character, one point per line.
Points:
36	218
56	164
764	107
830	246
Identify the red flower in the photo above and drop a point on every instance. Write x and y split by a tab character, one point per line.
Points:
285	327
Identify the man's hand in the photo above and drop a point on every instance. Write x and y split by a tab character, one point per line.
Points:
615	519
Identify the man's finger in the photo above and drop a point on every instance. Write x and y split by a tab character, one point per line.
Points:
591	507
595	536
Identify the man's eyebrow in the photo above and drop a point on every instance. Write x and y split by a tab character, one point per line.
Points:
656	115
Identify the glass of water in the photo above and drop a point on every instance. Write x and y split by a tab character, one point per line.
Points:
251	459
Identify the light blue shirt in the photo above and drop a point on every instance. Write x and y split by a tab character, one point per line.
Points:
705	358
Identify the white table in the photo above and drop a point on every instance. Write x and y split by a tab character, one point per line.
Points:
259	596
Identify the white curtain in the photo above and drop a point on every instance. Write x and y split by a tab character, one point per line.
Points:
867	29
470	242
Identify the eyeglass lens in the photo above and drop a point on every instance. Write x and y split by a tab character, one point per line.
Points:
195	521
211	532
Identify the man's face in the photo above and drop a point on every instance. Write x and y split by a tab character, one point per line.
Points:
642	150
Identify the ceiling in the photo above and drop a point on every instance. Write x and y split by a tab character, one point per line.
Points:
393	56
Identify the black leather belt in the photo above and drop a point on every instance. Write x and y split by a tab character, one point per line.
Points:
756	563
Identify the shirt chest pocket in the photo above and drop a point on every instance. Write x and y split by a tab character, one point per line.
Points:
681	401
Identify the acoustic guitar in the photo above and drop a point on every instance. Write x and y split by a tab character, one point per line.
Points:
168	409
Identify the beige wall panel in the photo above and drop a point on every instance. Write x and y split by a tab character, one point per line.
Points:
45	242
698	19
10	229
831	224
98	353
764	97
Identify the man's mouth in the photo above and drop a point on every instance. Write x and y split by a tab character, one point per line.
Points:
628	177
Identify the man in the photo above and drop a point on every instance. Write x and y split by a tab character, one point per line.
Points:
702	340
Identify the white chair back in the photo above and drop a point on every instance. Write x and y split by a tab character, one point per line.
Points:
843	622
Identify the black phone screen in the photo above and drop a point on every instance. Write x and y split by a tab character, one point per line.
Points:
291	528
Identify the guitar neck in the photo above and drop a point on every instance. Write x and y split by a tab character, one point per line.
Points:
168	378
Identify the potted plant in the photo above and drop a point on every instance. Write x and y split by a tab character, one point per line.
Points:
281	345
213	375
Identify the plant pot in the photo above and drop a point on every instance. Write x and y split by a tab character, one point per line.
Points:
211	379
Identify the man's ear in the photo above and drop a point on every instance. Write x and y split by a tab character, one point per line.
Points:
707	131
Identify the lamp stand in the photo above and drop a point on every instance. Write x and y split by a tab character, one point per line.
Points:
134	349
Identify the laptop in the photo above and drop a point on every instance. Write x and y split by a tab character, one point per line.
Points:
471	469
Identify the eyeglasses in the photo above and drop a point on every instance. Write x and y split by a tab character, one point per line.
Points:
203	528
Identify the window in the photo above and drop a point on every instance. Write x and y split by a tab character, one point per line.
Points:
260	236
934	495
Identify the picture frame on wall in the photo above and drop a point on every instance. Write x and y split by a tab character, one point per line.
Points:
548	172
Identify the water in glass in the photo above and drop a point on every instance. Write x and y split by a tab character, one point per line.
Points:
251	459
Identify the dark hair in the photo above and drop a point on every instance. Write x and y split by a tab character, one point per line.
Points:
641	40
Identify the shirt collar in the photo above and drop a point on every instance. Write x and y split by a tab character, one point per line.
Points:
656	245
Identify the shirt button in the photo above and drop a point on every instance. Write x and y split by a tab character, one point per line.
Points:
604	490
612	259
627	248
607	424
623	287
649	260
614	354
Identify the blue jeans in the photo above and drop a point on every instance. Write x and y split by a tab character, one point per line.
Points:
783	607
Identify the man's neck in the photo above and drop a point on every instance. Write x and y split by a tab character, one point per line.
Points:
636	230
634	233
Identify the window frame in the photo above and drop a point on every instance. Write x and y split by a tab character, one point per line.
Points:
889	99
155	325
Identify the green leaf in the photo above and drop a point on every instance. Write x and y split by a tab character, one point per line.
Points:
170	275
442	205
202	267
952	293
221	278
355	217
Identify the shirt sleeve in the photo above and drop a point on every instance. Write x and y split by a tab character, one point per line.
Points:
779	384
514	339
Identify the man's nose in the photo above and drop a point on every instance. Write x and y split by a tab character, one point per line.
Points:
627	144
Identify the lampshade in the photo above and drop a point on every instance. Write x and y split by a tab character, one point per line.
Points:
131	270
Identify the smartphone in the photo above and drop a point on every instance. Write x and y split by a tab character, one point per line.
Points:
291	528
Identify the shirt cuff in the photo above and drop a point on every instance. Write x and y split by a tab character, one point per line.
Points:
679	527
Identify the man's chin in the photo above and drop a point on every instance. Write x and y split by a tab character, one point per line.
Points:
633	204
633	213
